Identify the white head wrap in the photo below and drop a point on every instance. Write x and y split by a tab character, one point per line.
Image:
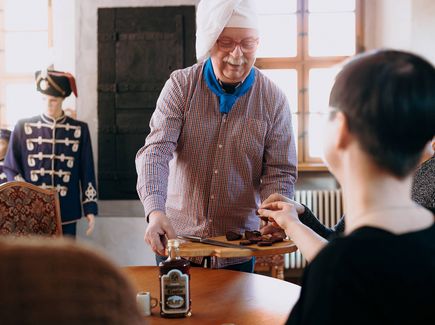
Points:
212	16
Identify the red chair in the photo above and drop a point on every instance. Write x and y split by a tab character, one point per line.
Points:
26	209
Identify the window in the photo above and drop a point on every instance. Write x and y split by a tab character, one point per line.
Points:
301	44
24	48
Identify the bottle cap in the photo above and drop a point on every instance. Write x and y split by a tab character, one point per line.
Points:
173	243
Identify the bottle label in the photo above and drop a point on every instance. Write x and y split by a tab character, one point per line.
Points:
175	292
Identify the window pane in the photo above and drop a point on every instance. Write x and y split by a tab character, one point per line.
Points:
276	6
22	100
331	34
331	5
277	36
26	15
287	80
315	133
319	87
19	45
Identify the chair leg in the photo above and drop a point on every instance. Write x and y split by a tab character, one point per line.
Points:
277	272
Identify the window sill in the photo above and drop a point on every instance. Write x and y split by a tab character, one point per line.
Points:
312	167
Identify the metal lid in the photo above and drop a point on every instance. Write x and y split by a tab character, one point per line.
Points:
174	243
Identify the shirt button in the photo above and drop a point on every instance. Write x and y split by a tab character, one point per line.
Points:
212	197
215	171
220	146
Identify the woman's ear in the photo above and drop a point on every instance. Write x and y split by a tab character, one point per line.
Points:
344	136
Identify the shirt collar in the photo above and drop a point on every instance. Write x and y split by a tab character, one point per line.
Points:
51	120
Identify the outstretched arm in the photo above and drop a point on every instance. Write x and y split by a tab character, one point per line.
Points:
285	216
298	222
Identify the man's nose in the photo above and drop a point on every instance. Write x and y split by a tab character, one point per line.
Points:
237	51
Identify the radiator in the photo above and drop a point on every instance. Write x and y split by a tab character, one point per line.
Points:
327	206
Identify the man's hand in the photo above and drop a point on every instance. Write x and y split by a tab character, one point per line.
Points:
158	231
278	197
91	224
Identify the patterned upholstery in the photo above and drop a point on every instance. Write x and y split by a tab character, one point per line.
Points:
58	281
27	209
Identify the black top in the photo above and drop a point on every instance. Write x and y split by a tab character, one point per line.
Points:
311	221
370	276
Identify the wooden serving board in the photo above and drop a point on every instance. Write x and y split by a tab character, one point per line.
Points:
191	249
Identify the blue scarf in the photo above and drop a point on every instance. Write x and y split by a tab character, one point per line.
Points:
226	100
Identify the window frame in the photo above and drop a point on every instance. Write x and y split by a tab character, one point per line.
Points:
302	63
16	78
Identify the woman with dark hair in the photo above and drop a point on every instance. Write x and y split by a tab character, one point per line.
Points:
382	270
311	235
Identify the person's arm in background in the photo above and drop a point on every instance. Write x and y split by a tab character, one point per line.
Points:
423	186
87	179
152	163
13	166
306	231
429	151
279	159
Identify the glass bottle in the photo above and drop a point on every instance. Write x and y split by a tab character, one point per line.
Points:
174	279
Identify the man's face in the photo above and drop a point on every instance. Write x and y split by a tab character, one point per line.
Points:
233	55
52	105
3	147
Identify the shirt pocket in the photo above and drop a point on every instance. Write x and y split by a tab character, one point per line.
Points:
250	140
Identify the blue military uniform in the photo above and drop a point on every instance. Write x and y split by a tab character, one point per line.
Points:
55	153
4	136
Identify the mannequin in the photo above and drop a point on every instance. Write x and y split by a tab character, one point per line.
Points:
53	150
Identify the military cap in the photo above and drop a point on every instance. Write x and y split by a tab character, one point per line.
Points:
55	83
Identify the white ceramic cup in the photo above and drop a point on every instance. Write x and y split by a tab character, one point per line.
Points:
145	302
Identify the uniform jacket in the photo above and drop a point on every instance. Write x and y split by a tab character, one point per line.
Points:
3	177
55	154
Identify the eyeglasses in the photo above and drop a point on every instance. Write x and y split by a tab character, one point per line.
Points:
247	45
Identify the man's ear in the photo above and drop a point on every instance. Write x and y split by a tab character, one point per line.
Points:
344	136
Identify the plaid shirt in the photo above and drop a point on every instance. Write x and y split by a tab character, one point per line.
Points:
209	171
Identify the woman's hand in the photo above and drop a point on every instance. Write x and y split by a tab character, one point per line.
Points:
280	214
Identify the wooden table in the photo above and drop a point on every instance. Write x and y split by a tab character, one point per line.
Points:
224	296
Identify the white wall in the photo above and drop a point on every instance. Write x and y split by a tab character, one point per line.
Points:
392	23
402	24
64	41
423	28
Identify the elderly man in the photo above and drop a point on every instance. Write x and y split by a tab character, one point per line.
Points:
221	138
